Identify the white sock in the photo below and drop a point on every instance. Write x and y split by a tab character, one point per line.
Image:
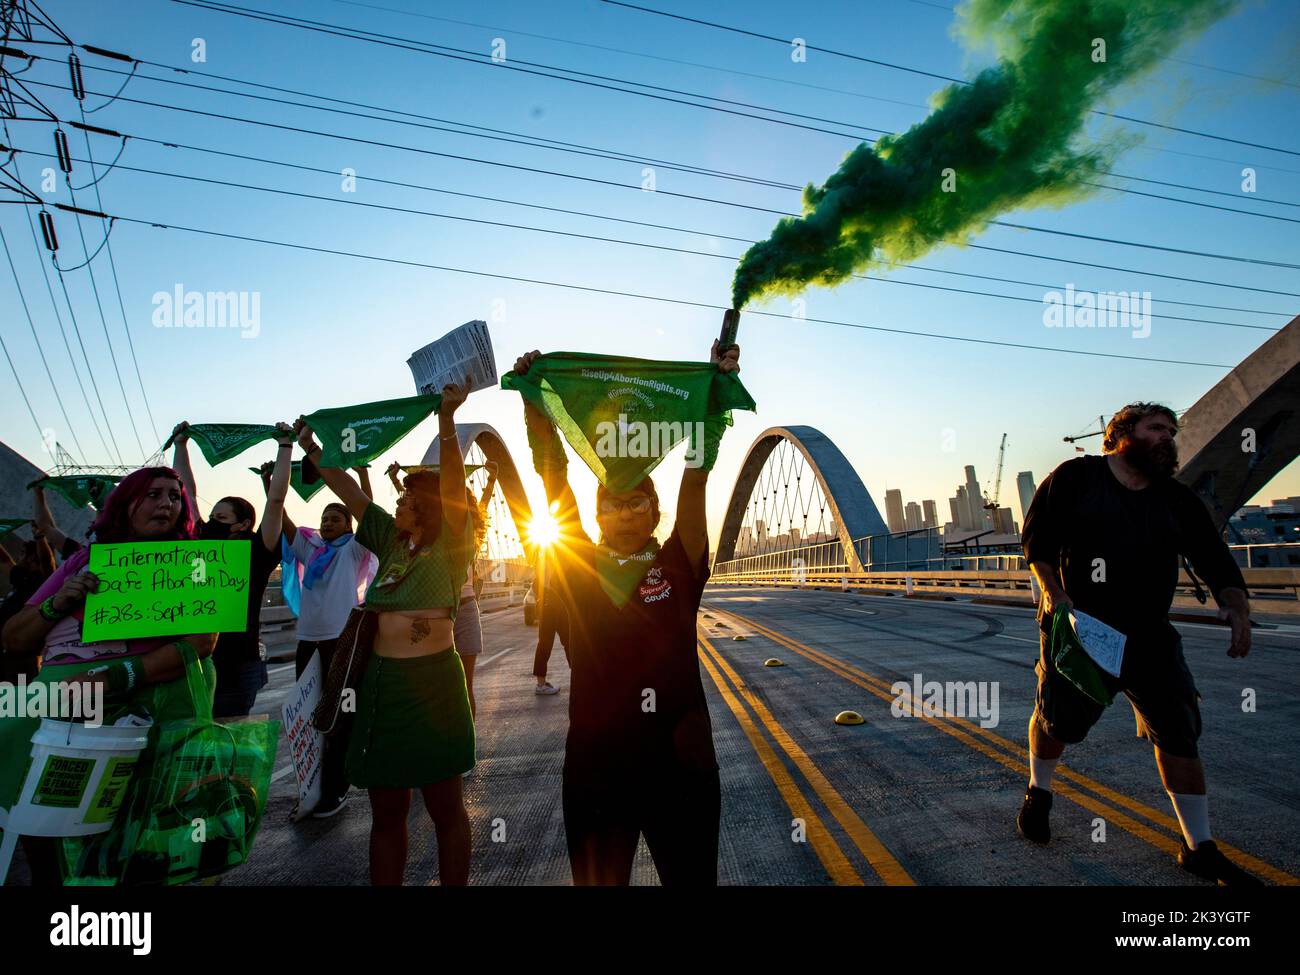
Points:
1040	772
1193	814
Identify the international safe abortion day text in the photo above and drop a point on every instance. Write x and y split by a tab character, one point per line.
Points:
167	589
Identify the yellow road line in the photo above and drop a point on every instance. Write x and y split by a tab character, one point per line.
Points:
882	861
828	851
882	689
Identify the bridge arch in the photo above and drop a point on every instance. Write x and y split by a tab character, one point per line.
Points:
1246	428
488	442
852	511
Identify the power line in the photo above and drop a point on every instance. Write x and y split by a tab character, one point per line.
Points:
637	54
44	362
690	196
40	431
641	223
526	67
89	369
590	237
404	43
117	286
103	319
1194	64
660	298
63	330
928	74
495	134
584	150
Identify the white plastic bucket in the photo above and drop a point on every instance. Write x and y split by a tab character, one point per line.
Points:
77	778
76	781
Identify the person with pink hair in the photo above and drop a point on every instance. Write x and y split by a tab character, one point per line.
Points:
145	676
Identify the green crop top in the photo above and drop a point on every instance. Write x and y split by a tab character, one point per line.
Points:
435	577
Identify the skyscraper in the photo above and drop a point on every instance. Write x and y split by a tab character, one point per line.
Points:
979	517
894	509
912	517
1025	488
931	519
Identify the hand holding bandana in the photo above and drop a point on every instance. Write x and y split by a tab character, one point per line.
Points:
622	416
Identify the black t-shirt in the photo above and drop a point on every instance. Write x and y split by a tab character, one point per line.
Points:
23	584
1118	549
618	655
236	649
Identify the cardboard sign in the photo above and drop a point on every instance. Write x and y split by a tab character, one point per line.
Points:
305	743
167	589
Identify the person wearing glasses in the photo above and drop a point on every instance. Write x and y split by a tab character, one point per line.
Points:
639	757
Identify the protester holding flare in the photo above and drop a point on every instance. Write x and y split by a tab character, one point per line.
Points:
413	726
634	765
241	671
144	676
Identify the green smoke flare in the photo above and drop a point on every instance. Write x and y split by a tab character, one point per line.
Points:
1010	138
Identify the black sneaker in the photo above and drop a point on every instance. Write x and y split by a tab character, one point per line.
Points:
1208	863
1032	821
328	807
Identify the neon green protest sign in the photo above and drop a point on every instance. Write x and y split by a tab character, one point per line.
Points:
167	589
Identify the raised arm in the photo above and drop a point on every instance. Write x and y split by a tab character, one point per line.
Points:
181	461
549	459
336	479
44	519
278	488
692	522
363	475
394	473
451	466
286	523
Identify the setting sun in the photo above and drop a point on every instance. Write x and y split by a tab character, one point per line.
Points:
543	529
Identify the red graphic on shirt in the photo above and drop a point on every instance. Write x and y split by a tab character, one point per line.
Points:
654	587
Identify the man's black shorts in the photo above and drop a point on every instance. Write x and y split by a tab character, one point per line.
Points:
1154	677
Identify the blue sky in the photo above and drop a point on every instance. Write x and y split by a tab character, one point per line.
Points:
338	330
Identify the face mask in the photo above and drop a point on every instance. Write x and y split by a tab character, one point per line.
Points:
215	531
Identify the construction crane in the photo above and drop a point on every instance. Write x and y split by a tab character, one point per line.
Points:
997	478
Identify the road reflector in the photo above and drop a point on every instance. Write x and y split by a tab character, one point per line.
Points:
770	661
738	637
849	717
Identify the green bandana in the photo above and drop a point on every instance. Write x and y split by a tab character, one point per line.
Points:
222	441
8	525
622	416
304	491
353	435
80	489
620	574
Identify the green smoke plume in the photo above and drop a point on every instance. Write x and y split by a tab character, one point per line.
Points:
1011	137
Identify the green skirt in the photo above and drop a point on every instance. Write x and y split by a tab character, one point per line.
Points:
413	725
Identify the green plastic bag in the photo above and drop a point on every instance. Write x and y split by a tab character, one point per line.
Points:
1073	663
197	809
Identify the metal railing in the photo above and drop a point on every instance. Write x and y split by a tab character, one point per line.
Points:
888	569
